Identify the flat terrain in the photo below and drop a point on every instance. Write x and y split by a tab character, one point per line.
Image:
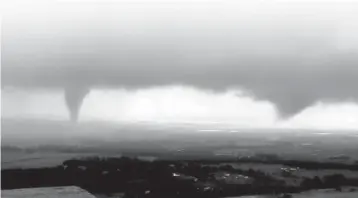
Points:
39	144
30	143
23	159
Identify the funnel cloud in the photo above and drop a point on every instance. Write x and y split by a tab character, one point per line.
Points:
74	97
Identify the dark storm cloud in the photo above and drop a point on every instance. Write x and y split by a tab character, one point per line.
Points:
292	58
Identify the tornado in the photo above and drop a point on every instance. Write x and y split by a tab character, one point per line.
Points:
74	97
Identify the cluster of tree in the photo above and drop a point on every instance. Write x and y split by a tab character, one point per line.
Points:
329	181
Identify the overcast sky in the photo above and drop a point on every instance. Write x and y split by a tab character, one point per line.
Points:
292	59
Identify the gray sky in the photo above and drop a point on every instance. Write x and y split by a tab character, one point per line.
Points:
292	53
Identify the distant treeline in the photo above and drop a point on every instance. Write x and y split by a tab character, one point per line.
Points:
309	165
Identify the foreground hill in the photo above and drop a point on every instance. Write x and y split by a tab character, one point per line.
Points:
174	178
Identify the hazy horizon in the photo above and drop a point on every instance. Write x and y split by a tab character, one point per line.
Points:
179	104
